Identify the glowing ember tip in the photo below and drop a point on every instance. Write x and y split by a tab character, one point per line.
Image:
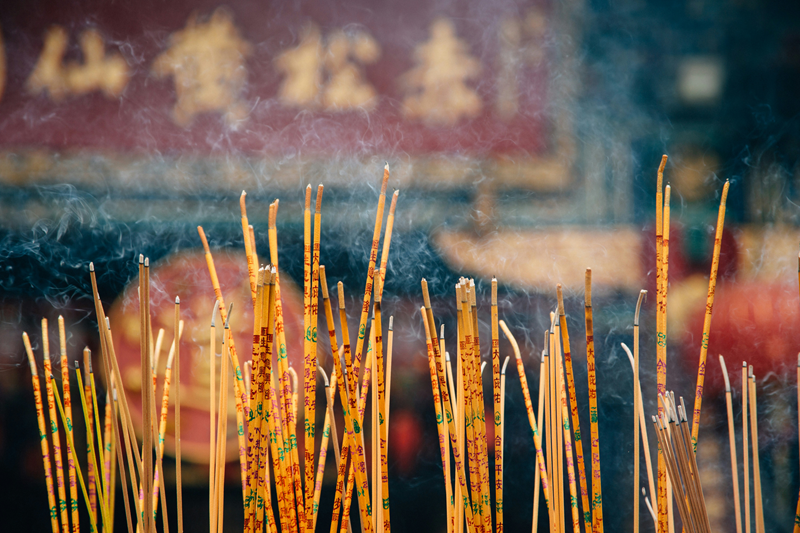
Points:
91	266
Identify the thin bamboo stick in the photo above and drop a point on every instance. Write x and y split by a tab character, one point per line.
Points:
597	491
756	461
745	448
542	386
178	469
732	442
643	432
145	476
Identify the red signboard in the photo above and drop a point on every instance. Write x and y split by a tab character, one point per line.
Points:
279	79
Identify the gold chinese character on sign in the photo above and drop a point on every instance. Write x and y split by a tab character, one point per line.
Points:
207	63
437	90
328	74
521	44
98	72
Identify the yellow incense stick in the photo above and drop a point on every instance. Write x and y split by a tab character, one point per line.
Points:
37	395
529	408
661	343
573	407
71	455
712	286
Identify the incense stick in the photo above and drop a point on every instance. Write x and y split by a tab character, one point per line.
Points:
597	491
661	342
252	266
745	448
441	427
499	403
732	442
529	408
456	436
212	409
756	461
643	431
37	395
573	407
56	439
93	468
71	455
712	286
542	386
178	476
71	444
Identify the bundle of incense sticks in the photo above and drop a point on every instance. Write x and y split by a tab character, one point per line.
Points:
266	407
109	431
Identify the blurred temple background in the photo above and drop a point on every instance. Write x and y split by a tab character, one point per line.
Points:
524	138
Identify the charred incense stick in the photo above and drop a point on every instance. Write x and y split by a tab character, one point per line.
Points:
529	408
573	407
661	342
732	441
37	395
643	432
638	417
712	286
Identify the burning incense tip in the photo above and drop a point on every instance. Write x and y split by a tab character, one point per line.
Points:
77	365
141	259
323	281
560	296
505	364
177	299
91	265
391	327
318	206
725	373
308	197
447	356
426	298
